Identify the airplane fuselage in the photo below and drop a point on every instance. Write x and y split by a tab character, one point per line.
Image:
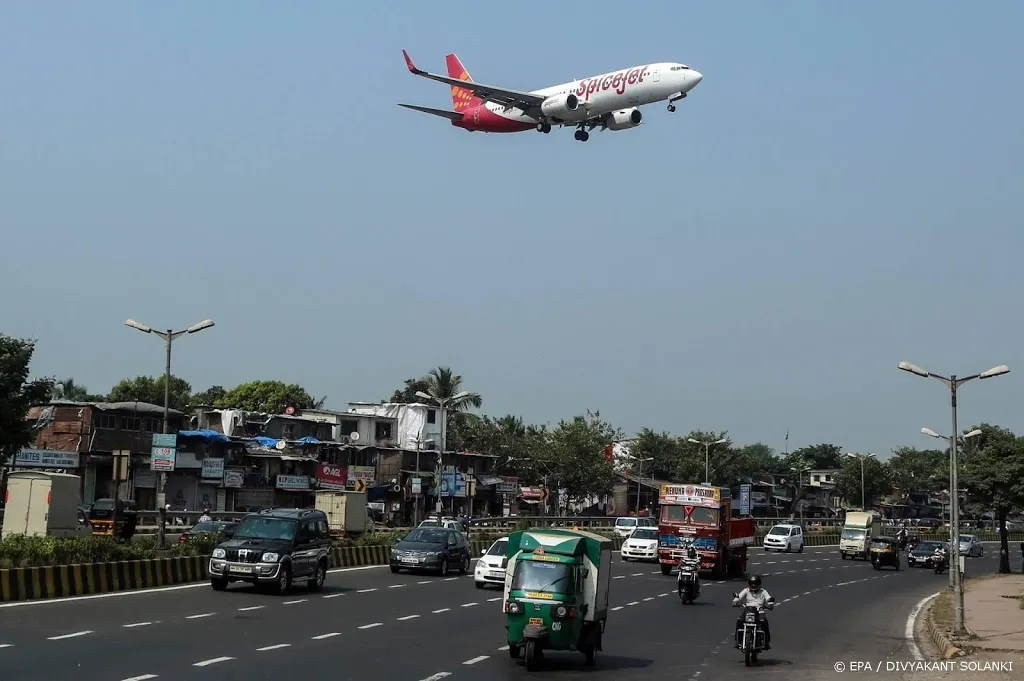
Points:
598	96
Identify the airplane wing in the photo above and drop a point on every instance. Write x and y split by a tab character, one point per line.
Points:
488	93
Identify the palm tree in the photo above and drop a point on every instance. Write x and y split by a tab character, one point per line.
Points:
67	389
442	384
319	404
511	425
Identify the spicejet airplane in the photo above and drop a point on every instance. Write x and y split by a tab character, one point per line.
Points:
609	101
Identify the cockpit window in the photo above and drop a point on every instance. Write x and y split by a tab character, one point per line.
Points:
680	67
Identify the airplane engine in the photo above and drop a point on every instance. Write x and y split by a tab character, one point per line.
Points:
623	119
560	107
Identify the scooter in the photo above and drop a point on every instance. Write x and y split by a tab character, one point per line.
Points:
688	586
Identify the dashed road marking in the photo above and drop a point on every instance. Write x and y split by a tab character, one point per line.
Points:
371	626
637	574
277	646
619	577
136	624
491	600
74	635
436	677
397	586
198	617
327	596
618	607
438	612
251	607
450	579
407	618
6	645
481	658
321	637
365	591
503	648
649	598
633	603
469	605
212	660
143	677
301	600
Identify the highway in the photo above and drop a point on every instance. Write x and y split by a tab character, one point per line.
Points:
371	624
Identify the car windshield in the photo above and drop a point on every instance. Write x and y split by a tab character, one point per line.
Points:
644	533
927	547
544	577
427	535
626	522
498	548
855	535
784	531
966	538
255	527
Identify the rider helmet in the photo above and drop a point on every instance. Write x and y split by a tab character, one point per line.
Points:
691	552
754	583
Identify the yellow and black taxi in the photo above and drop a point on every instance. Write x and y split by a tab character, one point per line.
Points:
884	552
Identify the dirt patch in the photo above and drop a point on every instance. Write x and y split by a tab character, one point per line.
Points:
941	611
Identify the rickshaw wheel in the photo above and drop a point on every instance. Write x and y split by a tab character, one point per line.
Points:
531	655
589	654
513	652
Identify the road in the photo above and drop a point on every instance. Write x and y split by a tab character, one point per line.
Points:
371	624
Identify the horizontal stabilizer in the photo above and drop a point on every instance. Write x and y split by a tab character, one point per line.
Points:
451	115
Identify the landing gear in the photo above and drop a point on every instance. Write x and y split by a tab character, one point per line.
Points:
582	135
671	106
543	127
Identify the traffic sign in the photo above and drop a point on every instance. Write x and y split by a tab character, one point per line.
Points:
543	493
360	485
417	485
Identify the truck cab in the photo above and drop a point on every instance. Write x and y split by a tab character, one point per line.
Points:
701	516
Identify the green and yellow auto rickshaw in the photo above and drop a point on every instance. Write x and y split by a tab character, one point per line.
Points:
556	592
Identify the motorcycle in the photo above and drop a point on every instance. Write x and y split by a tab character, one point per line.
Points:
750	635
688	586
901	543
939	562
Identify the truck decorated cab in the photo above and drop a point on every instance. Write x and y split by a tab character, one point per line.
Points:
701	516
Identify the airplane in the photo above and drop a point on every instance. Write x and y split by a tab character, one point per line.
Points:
609	101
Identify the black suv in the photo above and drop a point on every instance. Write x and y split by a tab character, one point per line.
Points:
275	547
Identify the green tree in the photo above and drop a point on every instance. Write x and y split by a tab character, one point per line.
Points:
209	397
669	454
918	470
822	456
17	395
875	480
68	389
269	397
151	390
517	446
407	394
992	471
573	456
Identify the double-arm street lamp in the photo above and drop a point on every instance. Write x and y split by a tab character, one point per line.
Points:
707	454
953	382
442	403
640	476
863	458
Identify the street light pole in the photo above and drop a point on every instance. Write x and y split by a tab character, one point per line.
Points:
707	454
800	490
954	485
168	337
953	382
863	490
442	403
640	477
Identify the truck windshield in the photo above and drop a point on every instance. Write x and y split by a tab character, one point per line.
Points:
698	516
533	575
855	535
266	528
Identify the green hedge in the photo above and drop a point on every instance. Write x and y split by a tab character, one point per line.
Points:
22	551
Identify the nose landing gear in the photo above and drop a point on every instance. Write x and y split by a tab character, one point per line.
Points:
671	106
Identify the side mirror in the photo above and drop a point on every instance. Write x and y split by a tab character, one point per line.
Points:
735	595
397	539
483	552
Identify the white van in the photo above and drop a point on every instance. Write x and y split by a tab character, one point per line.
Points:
858	531
785	537
625	526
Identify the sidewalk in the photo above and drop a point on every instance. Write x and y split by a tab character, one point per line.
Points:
998	622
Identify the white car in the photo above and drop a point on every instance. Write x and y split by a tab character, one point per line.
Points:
641	545
625	526
785	537
489	569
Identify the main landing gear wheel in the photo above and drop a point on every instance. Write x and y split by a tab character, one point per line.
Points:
582	135
544	128
671	108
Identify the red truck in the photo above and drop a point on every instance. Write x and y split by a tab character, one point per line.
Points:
701	516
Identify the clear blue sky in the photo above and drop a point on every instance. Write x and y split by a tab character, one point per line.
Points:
842	192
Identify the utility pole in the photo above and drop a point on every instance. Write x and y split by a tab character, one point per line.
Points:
707	455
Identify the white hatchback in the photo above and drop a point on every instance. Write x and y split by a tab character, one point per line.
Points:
784	537
624	526
641	545
489	569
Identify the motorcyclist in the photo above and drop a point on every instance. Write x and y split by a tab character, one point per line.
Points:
939	555
902	536
757	597
690	562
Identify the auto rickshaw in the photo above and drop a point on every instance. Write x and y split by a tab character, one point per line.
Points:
556	592
884	551
113	519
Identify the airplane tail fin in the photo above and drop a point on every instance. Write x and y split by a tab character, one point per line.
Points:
461	97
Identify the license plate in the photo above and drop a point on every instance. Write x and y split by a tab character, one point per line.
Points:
497	575
537	620
240	568
410	561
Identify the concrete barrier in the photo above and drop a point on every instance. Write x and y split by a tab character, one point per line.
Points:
55	581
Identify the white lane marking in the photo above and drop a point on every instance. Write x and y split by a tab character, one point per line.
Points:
301	600
143	592
365	591
74	635
196	617
273	647
468	605
371	626
649	598
908	630
491	600
212	660
436	677
476	659
656	572
136	624
618	607
11	645
619	577
637	574
321	637
144	677
450	579
438	612
633	603
407	617
251	607
327	596
397	586
428	581
503	648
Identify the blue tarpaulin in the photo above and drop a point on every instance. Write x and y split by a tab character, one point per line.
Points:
268	442
308	441
207	435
